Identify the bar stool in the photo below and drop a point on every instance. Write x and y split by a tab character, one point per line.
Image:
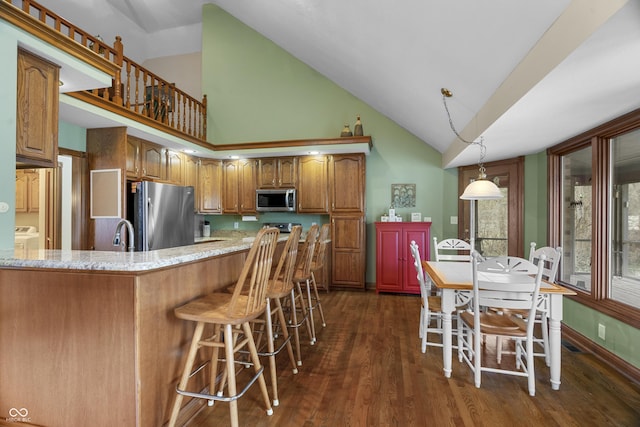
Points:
280	286
302	274
232	313
317	265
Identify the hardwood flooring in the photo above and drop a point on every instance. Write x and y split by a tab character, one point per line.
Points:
366	369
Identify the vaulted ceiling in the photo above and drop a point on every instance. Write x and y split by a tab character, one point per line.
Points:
525	75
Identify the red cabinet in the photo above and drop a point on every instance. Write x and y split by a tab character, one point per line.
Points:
394	264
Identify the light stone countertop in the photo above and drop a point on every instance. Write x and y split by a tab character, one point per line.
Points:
126	261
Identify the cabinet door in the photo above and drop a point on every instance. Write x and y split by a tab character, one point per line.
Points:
389	253
312	185
287	172
418	232
34	191
37	110
153	161
347	182
133	166
175	167
191	177
267	172
22	192
247	185
348	251
210	186
230	186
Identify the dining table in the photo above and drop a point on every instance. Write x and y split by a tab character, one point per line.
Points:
454	281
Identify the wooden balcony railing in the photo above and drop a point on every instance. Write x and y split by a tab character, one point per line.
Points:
136	92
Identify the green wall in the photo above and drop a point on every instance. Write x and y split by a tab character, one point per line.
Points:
535	201
256	91
71	136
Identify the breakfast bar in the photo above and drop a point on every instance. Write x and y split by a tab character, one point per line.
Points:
90	338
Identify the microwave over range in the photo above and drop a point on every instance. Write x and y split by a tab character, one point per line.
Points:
278	200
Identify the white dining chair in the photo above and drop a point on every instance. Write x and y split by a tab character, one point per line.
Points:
451	250
500	282
431	306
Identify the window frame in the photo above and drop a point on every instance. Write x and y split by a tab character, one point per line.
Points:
599	139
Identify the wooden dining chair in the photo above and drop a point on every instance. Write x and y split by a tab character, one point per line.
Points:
501	282
230	316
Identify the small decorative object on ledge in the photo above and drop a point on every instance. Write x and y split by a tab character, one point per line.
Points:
357	129
346	131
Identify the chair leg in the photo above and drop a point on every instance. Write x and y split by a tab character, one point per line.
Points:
231	372
498	349
271	351
318	302
545	338
285	334
256	366
182	385
477	358
311	308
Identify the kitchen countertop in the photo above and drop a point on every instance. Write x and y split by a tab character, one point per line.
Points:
216	245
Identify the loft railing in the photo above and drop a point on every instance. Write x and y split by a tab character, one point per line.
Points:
142	94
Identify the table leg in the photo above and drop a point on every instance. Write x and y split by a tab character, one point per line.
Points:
555	316
448	305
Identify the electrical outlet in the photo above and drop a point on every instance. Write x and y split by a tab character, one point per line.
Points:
601	331
236	225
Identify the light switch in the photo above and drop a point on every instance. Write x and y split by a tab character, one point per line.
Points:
454	220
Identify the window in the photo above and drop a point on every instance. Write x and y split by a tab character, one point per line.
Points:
594	214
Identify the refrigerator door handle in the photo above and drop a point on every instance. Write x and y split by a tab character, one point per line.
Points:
150	224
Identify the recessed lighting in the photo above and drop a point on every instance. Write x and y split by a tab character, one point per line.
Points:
189	151
313	153
234	156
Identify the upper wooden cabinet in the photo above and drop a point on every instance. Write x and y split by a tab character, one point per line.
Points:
191	175
176	167
145	160
239	186
27	191
347	183
209	186
313	185
277	172
37	111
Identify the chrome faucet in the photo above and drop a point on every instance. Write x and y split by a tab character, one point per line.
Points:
117	240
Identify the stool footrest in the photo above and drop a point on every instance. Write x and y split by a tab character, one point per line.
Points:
222	398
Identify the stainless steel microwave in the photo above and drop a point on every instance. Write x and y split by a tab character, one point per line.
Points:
278	200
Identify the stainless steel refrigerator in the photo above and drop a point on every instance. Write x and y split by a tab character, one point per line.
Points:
162	215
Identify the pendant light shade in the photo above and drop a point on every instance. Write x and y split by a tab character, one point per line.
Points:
481	189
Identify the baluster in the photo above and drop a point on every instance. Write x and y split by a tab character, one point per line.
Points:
204	117
128	90
184	114
137	73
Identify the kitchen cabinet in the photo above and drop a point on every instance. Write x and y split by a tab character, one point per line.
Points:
27	191
191	177
313	185
145	160
348	251
347	183
277	172
395	271
37	111
239	186
209	186
175	167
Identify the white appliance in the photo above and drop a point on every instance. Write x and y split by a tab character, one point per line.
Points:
26	238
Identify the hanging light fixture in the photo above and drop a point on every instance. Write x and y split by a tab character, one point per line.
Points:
481	188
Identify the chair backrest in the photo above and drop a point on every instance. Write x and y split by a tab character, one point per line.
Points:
287	264
423	279
303	264
451	250
551	263
506	282
255	273
321	246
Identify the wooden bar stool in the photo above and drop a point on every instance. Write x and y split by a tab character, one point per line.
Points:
302	274
231	313
280	286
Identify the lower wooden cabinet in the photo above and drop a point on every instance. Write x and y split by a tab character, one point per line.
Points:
395	271
348	243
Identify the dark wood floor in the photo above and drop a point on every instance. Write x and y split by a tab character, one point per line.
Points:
367	370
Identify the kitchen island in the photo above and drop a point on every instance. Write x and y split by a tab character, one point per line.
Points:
89	337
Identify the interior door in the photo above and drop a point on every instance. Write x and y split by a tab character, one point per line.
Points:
499	223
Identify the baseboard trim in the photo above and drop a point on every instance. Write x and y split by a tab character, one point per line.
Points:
611	359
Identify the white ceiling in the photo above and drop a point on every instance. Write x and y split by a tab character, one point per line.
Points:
525	74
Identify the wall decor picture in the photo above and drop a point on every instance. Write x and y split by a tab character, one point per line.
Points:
403	195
